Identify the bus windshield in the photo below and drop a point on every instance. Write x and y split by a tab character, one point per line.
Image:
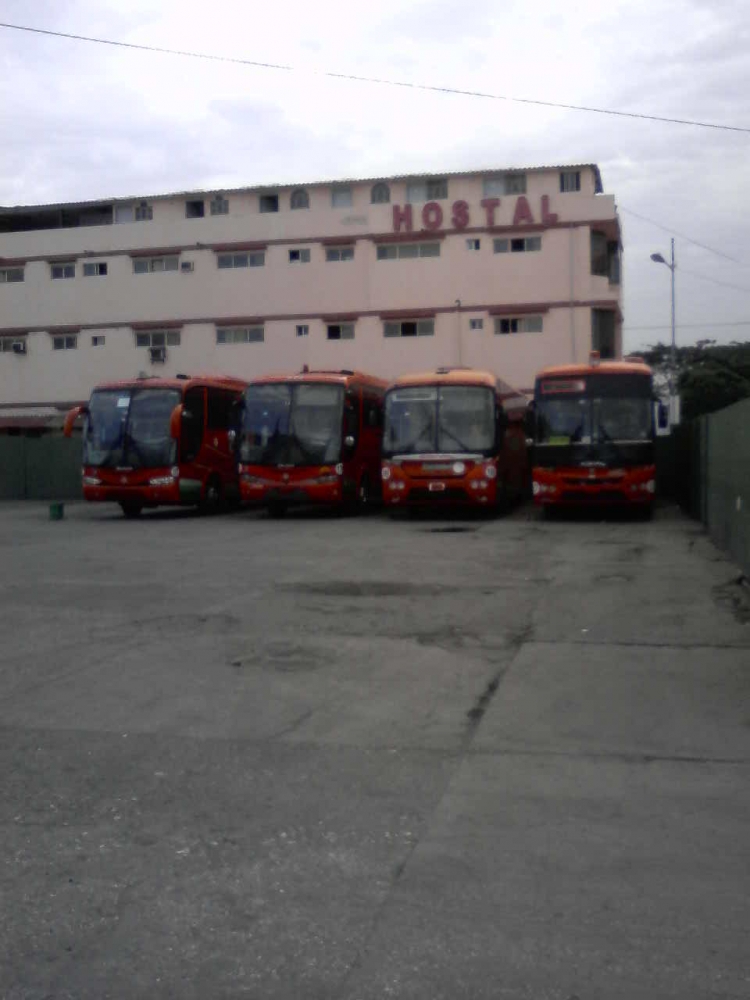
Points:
439	420
129	428
603	408
292	424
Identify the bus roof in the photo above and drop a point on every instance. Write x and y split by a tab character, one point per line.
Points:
182	382
341	377
448	376
601	368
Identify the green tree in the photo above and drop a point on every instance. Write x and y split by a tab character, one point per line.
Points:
709	376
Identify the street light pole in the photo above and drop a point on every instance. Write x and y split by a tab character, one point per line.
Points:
658	259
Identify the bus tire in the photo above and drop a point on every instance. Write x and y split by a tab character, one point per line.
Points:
131	509
213	496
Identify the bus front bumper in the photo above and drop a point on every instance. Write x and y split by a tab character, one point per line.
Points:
631	486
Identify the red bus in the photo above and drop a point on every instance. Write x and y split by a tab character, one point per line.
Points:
453	436
155	441
593	428
311	438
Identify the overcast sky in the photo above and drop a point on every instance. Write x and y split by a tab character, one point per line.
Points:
83	121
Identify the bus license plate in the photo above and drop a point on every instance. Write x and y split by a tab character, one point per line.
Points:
436	487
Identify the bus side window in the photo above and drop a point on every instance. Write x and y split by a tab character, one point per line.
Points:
218	415
192	424
372	412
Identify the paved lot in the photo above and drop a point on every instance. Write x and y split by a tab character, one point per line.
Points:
349	760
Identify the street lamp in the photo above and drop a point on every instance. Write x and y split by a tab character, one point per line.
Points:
658	259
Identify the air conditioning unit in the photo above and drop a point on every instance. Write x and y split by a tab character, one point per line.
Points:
158	354
187	266
19	346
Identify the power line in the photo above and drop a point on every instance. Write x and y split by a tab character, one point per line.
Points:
689	326
683	236
377	80
715	281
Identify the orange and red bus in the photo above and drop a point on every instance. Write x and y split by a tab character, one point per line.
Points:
453	436
311	438
594	427
154	441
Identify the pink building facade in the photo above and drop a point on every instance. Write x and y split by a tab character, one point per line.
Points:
504	270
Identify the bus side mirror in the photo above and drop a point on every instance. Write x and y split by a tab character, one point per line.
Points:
662	416
175	422
71	417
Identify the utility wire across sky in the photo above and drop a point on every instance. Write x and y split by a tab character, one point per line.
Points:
372	79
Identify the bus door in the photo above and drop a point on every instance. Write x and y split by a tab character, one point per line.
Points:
193	420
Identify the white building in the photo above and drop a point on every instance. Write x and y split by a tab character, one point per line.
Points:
509	271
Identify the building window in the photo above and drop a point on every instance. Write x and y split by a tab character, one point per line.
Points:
240	335
473	244
518	324
219	205
150	265
299	199
341	197
195	209
124	213
303	330
69	343
94	270
403	251
380	194
299	256
410	328
226	260
143	212
269	203
340	331
500	184
158	338
13	345
476	324
599	262
340	253
97	340
603	332
63	271
519	244
229	260
613	257
9	275
434	189
570	180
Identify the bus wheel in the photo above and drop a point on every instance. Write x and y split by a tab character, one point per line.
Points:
131	509
276	509
213	496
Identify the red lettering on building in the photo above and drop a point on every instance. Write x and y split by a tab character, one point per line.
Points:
522	212
432	215
548	218
402	215
460	217
489	205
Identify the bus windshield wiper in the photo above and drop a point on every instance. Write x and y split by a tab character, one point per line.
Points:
445	430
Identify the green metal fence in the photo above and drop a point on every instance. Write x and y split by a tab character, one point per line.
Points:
705	467
40	468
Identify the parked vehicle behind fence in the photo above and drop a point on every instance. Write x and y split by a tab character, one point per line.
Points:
154	441
311	438
453	436
593	427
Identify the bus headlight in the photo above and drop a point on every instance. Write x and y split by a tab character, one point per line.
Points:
459	468
339	470
161	481
490	472
385	473
650	486
175	471
536	489
91	481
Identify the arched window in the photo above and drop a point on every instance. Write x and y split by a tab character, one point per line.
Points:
380	194
300	199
